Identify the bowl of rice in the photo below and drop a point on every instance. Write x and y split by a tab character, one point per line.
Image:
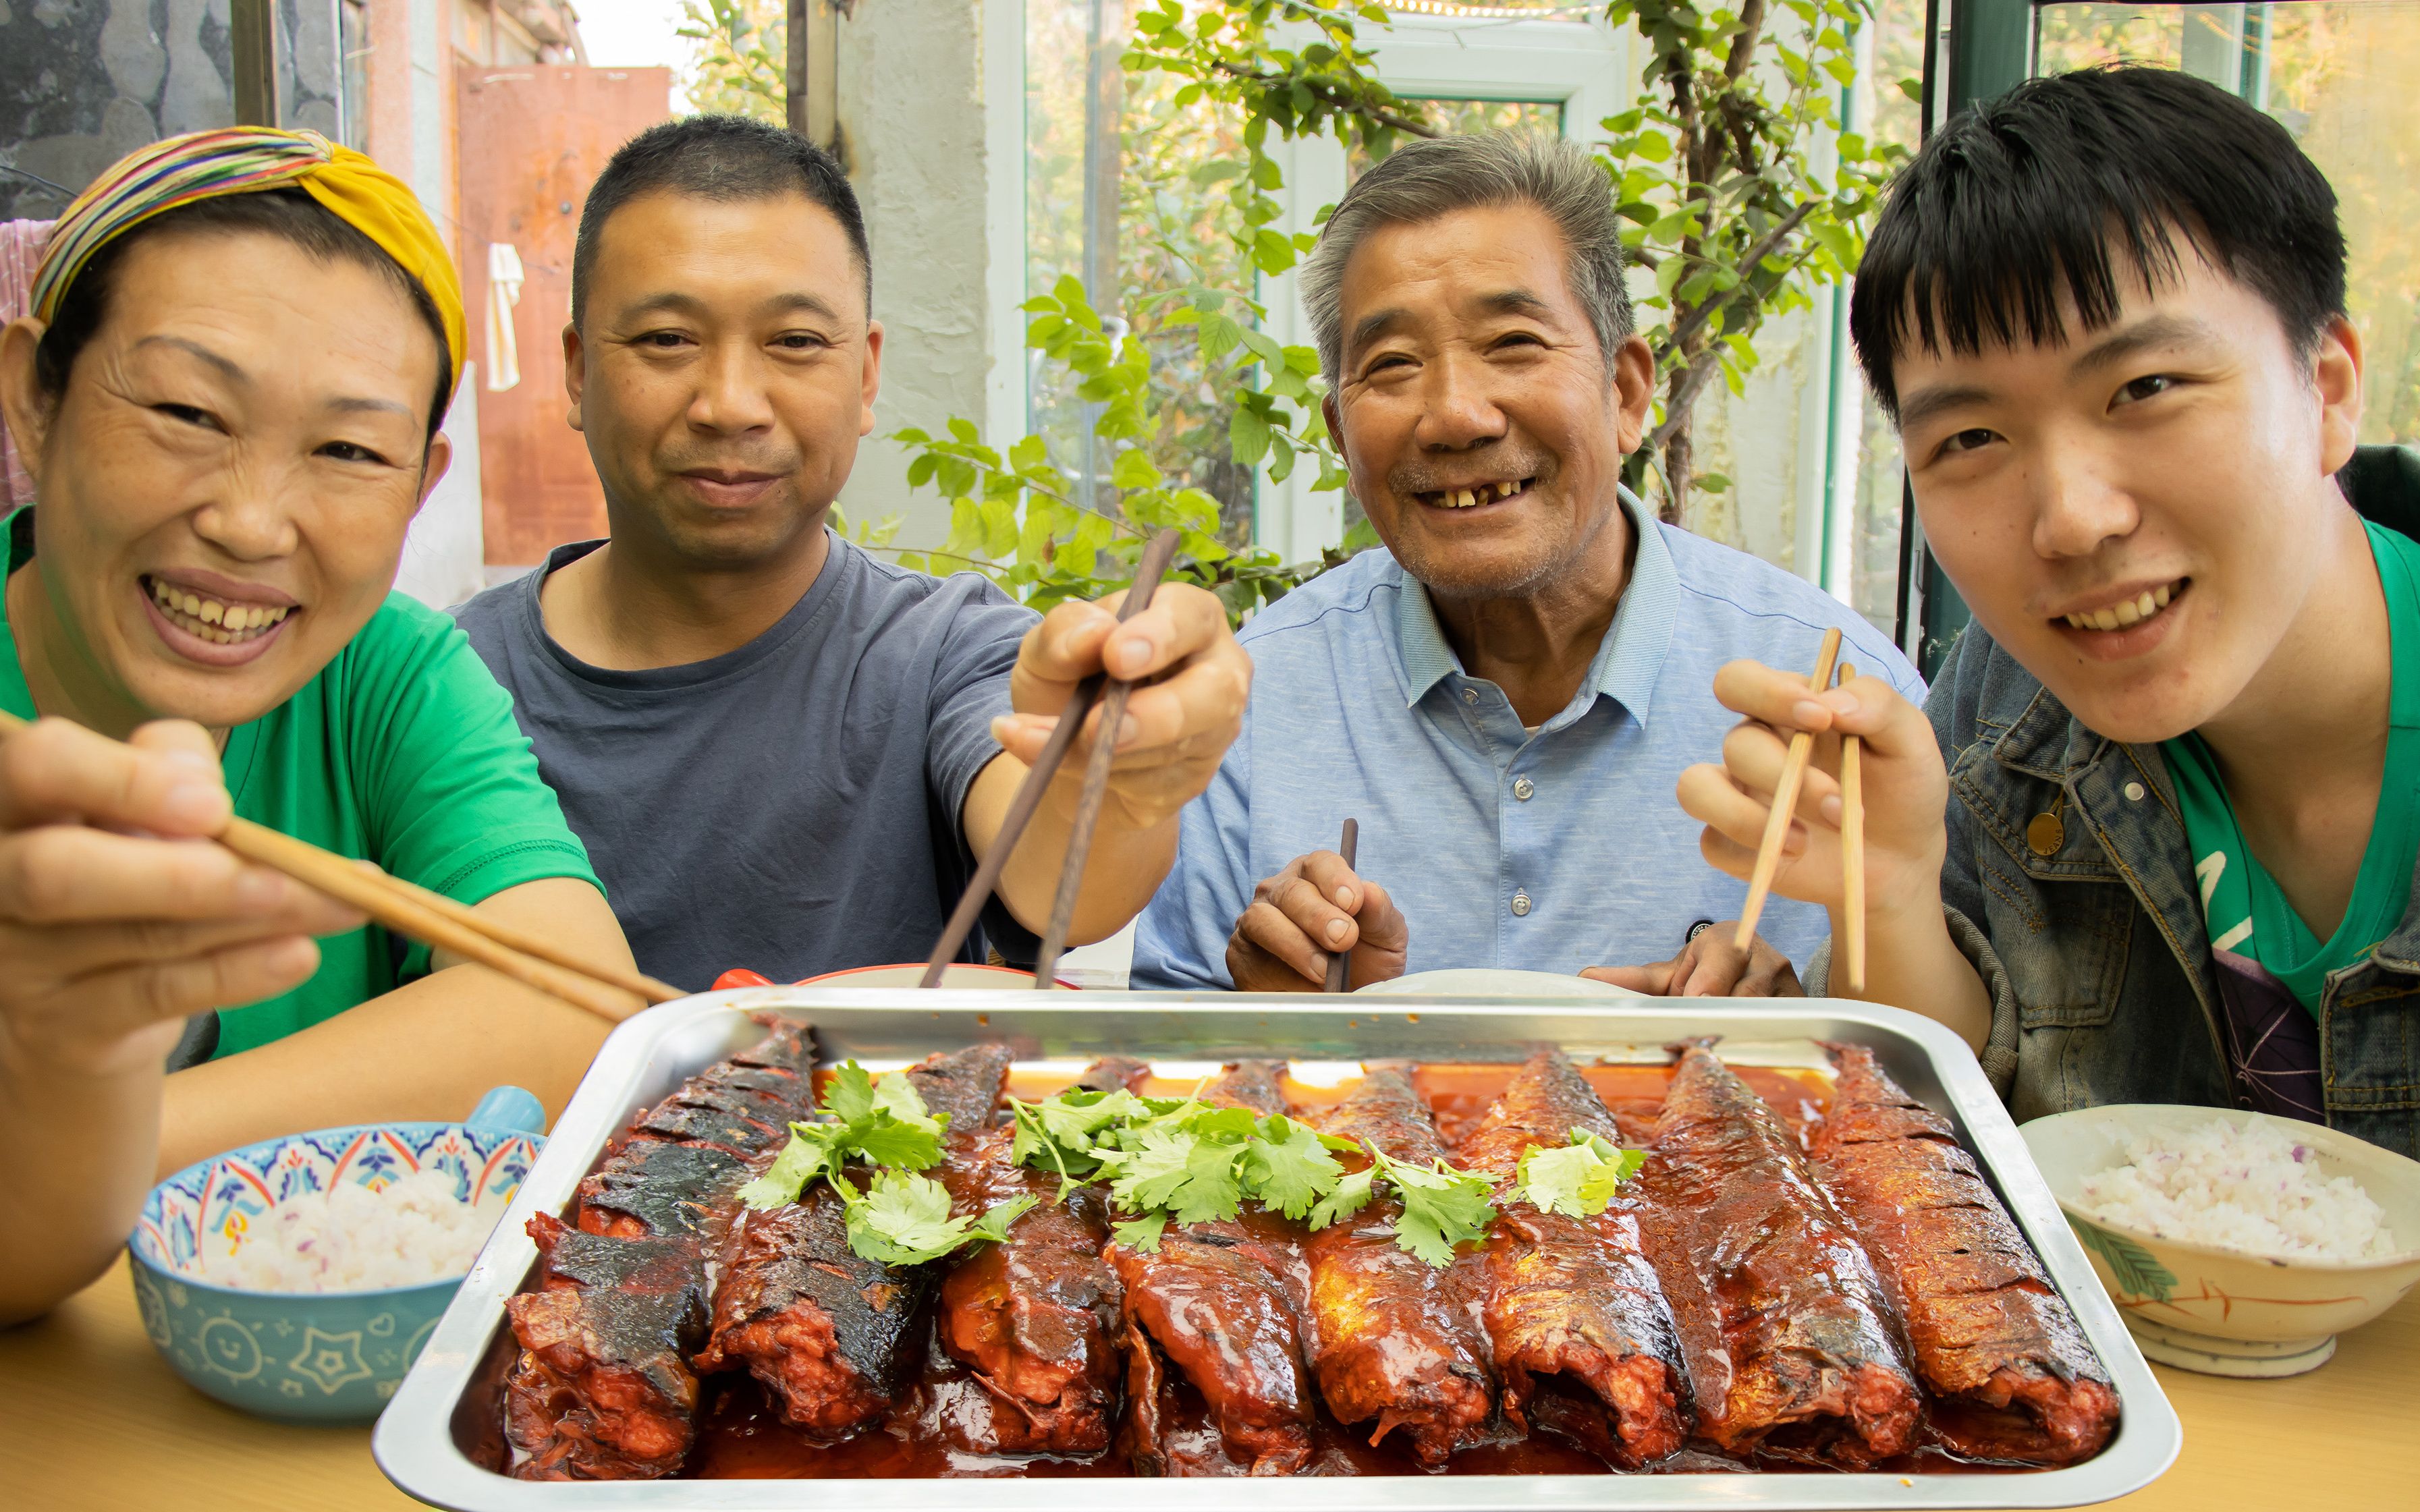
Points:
297	1278
2233	1243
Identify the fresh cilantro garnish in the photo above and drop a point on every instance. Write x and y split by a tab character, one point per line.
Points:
903	1219
1141	1234
1188	1161
1289	1166
1442	1207
879	1121
1578	1180
1347	1197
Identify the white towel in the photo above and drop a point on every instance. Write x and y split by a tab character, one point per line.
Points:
504	296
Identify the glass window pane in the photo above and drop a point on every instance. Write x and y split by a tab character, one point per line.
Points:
2339	76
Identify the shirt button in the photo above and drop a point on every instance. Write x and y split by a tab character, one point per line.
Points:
1520	905
1524	789
1471	695
2133	793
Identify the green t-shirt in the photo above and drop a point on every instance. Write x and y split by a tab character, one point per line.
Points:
2246	912
402	752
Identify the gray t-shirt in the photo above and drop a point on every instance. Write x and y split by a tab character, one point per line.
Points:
793	806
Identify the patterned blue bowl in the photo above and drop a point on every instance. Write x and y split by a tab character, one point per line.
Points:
322	1356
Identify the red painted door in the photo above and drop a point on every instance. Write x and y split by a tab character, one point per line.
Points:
532	141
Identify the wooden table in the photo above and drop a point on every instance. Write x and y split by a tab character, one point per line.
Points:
92	1418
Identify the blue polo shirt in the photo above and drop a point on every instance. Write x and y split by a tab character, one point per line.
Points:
1549	852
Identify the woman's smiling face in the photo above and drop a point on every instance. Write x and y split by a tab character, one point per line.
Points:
224	484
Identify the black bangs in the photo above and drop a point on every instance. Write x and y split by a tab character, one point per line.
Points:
2075	186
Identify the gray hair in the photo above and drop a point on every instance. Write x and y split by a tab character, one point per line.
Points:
1425	180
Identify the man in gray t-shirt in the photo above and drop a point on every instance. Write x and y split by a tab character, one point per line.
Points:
784	753
790	806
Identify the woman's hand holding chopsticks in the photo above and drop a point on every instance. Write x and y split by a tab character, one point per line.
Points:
1910	960
118	919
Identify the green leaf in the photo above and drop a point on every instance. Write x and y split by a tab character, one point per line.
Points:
1134	469
902	1219
849	1095
1141	1235
1442	1207
886	1139
1147	1174
1288	1169
809	1154
993	1224
1248	434
1579	1179
1349	1196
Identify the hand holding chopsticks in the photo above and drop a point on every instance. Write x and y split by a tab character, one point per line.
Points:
434	919
1112	695
1339	962
1852	827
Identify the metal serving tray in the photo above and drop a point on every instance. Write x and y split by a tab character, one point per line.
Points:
442	1406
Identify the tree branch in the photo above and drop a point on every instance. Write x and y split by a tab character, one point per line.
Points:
1683	399
1337	99
1767	245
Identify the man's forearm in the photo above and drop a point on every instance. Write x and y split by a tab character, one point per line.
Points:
1912	963
1125	866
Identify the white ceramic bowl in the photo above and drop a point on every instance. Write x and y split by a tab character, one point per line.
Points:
2214	1308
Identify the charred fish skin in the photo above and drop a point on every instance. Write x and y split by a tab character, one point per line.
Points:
603	1389
826	1332
654	1186
831	1336
1393	1336
1796	1353
1986	1328
1570	1299
966	1085
1039	1319
1225	1305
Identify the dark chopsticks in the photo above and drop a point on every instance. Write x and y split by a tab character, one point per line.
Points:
1338	961
1148	572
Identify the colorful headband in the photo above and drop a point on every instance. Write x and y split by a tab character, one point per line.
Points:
247	159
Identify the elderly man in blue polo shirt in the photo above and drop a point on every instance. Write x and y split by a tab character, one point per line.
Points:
1504	696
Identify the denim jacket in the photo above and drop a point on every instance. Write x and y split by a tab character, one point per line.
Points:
2095	953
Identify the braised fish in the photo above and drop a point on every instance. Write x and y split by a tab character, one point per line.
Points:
1221	1304
826	1332
1787	1326
1038	1319
603	1388
1990	1336
1575	1320
1395	1341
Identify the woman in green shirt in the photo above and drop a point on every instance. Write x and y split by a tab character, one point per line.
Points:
242	343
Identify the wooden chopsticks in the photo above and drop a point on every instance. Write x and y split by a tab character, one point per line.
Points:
1338	961
1111	695
1853	850
1852	825
438	922
1785	801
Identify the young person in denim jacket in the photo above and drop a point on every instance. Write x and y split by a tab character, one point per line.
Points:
2179	750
